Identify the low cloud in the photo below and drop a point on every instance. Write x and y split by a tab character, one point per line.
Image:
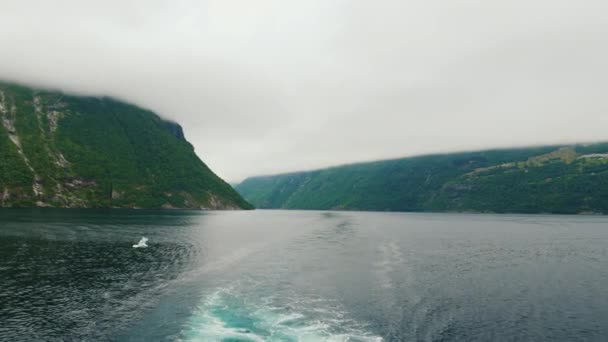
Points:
271	86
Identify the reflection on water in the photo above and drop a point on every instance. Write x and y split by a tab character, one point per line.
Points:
300	276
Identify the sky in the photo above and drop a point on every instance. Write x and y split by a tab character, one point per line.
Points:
271	86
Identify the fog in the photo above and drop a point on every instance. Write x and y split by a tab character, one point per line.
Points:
269	86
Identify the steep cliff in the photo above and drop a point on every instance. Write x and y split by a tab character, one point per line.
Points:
61	150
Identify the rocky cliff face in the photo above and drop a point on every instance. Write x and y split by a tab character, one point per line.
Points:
59	150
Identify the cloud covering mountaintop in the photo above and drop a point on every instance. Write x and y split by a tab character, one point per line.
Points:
271	86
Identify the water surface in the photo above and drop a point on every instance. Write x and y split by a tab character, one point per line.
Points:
301	276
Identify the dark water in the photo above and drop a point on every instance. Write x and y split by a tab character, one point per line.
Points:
301	276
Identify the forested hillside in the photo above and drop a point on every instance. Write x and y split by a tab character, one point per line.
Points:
551	179
68	151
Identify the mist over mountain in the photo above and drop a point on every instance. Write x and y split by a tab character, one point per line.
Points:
59	150
256	83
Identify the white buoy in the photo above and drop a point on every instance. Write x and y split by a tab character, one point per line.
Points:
141	243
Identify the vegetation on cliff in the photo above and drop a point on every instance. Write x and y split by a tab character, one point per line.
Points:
70	151
550	179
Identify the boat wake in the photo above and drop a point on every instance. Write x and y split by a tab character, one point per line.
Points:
226	316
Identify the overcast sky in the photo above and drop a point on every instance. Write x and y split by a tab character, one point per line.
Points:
267	86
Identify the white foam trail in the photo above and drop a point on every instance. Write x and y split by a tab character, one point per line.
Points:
390	257
224	315
141	243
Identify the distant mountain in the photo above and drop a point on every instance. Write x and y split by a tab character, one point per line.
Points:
68	151
552	179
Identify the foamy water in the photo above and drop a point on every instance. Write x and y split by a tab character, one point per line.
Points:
230	314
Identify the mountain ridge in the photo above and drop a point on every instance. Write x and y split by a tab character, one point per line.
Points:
568	178
62	150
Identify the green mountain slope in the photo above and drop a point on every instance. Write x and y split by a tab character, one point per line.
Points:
552	179
68	151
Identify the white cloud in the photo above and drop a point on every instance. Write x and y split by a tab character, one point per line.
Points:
269	86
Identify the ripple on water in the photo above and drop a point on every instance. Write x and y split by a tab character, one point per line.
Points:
225	315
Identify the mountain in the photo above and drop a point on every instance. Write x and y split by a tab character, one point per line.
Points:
60	150
565	179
